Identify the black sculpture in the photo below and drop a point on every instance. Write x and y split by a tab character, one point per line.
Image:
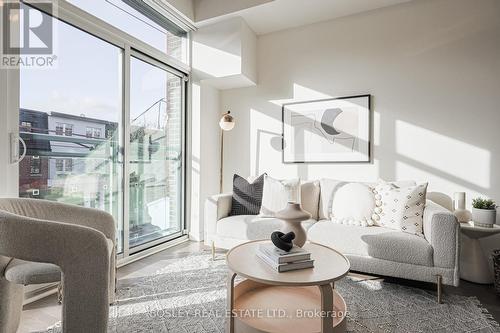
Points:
283	241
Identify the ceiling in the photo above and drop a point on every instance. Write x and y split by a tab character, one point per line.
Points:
279	15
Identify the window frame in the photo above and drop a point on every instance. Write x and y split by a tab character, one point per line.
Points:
131	46
67	129
92	131
87	22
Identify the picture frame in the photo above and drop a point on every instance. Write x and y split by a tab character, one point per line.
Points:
332	130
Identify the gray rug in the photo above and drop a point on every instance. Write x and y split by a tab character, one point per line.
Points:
188	295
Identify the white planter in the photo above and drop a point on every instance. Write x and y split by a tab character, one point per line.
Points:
484	216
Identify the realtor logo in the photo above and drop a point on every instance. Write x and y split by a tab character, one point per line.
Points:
27	34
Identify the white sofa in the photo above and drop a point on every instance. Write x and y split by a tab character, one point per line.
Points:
375	250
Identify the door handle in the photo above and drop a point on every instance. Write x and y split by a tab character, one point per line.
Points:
15	157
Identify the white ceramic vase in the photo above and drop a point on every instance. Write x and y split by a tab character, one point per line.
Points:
292	216
462	214
484	217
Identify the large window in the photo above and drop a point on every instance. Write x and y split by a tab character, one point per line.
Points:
154	30
104	105
155	152
59	104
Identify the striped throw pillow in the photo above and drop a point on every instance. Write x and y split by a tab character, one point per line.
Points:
247	197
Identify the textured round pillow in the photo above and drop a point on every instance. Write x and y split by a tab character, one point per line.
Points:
353	204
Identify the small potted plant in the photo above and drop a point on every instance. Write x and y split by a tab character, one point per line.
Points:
484	212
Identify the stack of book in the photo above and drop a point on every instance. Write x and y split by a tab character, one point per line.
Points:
283	261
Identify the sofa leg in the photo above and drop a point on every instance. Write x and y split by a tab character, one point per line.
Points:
439	283
213	251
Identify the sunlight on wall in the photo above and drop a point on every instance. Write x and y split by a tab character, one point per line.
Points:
448	156
264	157
195	153
300	94
376	128
215	62
436	183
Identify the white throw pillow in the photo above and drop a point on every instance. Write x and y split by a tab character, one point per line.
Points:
400	208
277	193
330	186
309	197
353	204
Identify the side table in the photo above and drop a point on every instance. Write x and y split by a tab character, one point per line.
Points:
475	265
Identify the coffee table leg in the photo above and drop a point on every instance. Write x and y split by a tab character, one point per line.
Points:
327	308
230	302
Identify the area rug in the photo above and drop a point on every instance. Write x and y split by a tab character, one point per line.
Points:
188	295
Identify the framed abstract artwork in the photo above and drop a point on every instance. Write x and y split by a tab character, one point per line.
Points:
327	131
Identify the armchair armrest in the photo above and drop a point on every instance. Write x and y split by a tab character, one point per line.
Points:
52	242
216	207
82	254
442	231
61	212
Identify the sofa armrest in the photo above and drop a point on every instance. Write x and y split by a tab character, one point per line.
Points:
216	207
442	230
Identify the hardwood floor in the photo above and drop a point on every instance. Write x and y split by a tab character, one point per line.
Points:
43	313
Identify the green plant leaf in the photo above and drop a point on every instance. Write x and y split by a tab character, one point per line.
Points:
480	203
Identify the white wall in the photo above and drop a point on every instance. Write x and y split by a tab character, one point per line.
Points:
224	54
207	9
205	153
433	69
184	6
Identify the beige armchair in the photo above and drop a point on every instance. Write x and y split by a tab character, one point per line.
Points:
42	241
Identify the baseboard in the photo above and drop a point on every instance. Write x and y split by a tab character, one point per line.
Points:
196	236
146	253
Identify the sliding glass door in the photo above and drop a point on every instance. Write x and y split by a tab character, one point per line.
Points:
155	163
71	120
105	129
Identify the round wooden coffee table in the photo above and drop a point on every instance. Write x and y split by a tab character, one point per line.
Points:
296	301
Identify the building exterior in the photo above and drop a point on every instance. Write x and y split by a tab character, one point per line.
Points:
69	158
74	159
33	169
81	166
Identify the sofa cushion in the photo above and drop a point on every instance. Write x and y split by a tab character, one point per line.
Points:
330	186
251	227
27	272
309	197
376	242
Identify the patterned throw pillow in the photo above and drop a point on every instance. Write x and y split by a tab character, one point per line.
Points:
247	197
400	208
